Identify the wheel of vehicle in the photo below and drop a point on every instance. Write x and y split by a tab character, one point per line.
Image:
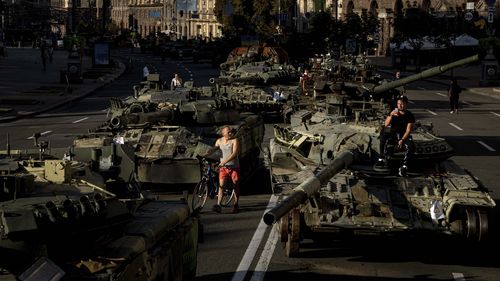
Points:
227	197
483	224
200	194
292	244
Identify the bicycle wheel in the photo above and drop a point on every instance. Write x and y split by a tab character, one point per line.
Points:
200	194
227	197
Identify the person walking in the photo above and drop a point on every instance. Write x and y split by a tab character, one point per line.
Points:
145	72
304	80
43	53
454	91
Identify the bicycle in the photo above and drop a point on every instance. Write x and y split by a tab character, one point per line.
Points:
209	186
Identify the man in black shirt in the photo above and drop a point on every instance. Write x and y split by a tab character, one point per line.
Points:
400	123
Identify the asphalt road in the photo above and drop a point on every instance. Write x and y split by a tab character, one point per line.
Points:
240	247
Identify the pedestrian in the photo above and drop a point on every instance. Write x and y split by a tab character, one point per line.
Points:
229	166
454	93
304	80
145	72
43	53
399	124
176	82
2	48
50	49
402	89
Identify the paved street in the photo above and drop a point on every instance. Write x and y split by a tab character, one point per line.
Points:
240	247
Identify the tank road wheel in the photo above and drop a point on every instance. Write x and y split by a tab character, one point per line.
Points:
292	244
200	194
471	223
483	224
284	228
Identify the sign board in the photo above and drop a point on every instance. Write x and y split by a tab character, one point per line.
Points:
468	16
101	54
469	6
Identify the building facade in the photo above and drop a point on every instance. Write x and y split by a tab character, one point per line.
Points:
180	18
195	18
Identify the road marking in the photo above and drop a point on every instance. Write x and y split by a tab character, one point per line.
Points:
440	94
494	113
486	146
267	254
431	112
456	127
458	276
467	103
247	259
80	120
41	134
421	88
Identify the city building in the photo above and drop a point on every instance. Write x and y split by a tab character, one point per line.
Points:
181	19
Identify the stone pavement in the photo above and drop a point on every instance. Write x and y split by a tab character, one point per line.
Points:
468	77
26	89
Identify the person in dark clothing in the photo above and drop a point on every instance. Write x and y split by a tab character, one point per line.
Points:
399	123
454	93
43	53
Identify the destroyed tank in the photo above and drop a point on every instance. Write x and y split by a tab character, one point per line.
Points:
259	79
323	165
367	85
167	137
255	53
70	220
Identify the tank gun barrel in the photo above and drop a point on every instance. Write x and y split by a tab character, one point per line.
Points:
309	187
424	74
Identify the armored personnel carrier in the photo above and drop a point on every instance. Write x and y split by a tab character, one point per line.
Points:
70	220
323	166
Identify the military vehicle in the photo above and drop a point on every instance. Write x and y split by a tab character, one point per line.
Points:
259	79
360	81
168	131
81	220
254	53
323	164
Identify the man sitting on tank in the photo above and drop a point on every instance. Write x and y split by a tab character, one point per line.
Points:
399	124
